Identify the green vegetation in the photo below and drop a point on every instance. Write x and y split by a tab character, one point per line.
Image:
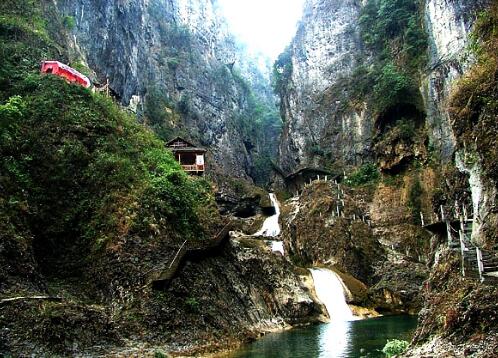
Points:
77	174
391	87
365	174
282	72
415	200
162	115
393	30
23	43
81	166
160	354
192	304
258	122
395	347
69	22
474	100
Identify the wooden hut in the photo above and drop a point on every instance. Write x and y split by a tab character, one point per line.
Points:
190	157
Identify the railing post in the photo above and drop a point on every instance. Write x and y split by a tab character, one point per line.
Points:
448	232
462	244
177	253
480	265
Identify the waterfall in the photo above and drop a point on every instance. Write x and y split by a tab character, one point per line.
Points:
277	246
271	227
330	290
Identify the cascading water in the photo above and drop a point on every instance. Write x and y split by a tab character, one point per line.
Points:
334	338
330	290
271	227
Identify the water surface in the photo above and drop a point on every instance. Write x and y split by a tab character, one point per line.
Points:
350	339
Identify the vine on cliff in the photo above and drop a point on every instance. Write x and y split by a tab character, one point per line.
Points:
392	30
474	101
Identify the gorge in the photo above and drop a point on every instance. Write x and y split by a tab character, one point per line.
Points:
366	152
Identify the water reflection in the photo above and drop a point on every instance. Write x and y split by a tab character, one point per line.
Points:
334	339
350	339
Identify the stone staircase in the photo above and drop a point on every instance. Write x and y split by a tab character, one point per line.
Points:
476	263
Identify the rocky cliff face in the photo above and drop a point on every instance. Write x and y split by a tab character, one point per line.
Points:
450	25
213	303
176	64
325	51
444	157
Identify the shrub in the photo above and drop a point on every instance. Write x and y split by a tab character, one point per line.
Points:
86	169
415	201
367	173
393	30
391	87
160	354
282	71
395	347
192	304
69	22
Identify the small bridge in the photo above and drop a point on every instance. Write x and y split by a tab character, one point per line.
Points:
189	251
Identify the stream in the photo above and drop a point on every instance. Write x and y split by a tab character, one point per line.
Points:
271	227
359	338
345	336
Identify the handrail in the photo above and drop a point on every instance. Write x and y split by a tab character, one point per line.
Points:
177	253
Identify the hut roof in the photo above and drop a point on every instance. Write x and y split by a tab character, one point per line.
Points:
185	147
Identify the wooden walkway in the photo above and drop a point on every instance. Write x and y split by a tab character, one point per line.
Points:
189	251
476	263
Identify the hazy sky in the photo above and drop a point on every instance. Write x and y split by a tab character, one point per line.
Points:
264	25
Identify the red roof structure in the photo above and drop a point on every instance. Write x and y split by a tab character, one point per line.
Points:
70	74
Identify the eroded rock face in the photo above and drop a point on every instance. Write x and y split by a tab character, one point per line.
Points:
449	24
326	49
182	52
214	302
380	250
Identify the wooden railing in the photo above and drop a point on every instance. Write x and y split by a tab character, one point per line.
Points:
186	252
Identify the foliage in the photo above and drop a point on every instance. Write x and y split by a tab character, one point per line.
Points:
192	304
406	129
391	87
162	116
69	22
83	168
384	22
365	174
259	122
24	43
395	347
282	71
474	100
393	30
415	200
160	354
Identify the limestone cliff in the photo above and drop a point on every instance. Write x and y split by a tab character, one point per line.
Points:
411	88
325	51
176	64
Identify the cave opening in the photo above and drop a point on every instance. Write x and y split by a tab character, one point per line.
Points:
392	117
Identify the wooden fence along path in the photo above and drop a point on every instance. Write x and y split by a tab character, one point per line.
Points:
340	209
186	252
475	262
